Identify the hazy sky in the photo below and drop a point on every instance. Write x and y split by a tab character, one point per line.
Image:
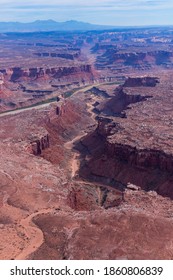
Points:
110	12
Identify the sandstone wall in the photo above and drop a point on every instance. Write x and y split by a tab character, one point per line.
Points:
38	144
71	56
17	73
147	158
141	81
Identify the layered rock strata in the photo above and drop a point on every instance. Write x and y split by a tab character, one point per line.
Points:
141	81
17	73
131	149
38	144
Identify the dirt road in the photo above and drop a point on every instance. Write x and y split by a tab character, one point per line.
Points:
36	107
34	234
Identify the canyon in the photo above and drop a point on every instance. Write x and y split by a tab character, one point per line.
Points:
117	155
86	145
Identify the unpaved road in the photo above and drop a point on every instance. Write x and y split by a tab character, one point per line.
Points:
14	112
34	234
75	162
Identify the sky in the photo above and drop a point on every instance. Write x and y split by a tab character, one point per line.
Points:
105	12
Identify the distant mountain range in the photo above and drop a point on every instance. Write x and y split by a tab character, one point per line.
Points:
49	25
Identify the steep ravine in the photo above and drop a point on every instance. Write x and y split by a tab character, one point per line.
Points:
100	171
116	164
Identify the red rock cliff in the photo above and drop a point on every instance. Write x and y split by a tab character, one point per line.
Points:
141	81
38	144
17	73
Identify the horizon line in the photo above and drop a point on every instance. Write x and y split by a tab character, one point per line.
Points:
106	25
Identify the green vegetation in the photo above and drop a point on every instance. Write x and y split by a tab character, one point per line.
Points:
50	100
113	83
67	94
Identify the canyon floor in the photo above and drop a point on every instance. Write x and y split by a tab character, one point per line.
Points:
86	147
